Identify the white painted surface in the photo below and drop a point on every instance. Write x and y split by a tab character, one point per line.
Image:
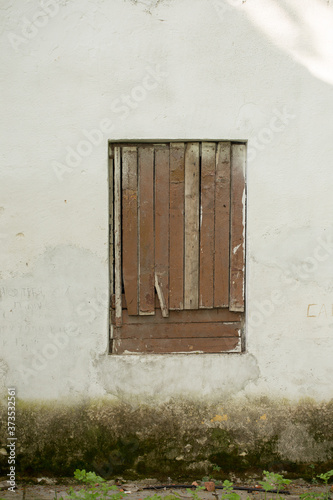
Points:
258	70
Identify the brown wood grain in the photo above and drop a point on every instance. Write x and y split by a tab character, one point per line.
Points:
162	199
111	249
146	236
222	225
237	247
176	271
207	230
130	227
192	200
117	236
178	331
195	316
186	345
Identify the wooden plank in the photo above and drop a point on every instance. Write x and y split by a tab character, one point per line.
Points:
207	216
117	236
186	345
111	237
130	227
222	225
176	271
146	236
111	249
191	274
162	199
179	331
124	304
161	297
237	233
195	316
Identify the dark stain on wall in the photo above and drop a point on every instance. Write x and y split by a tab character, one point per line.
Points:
181	439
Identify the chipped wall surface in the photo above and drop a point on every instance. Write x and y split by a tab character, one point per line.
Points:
78	73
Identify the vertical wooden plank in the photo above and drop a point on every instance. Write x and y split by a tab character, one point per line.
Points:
237	234
207	215
111	259
130	227
117	236
222	225
191	274
146	224
176	271
162	227
111	247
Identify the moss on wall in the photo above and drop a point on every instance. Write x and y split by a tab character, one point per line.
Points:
178	439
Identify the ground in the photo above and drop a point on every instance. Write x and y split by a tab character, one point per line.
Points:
51	489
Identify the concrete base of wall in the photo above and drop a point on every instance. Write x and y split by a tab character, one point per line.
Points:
180	438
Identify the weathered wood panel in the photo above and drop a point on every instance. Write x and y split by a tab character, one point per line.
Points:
237	233
178	331
207	219
111	202
176	271
117	236
162	199
164	346
146	236
192	179
124	305
195	316
130	227
222	225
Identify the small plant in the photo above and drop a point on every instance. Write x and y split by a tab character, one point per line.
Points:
193	494
228	492
325	477
311	495
96	487
313	479
216	468
273	481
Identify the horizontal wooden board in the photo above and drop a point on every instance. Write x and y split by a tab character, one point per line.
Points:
186	345
196	316
177	331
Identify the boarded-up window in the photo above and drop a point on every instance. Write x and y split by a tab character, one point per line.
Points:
177	226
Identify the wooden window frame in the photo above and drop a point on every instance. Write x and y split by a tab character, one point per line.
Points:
156	320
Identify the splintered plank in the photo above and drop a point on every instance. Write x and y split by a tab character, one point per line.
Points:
162	227
117	236
222	225
191	274
146	238
207	215
164	346
196	316
130	227
176	271
237	247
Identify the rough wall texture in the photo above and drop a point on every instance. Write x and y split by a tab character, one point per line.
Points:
180	438
78	73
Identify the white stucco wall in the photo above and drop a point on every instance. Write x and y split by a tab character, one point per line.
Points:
256	70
